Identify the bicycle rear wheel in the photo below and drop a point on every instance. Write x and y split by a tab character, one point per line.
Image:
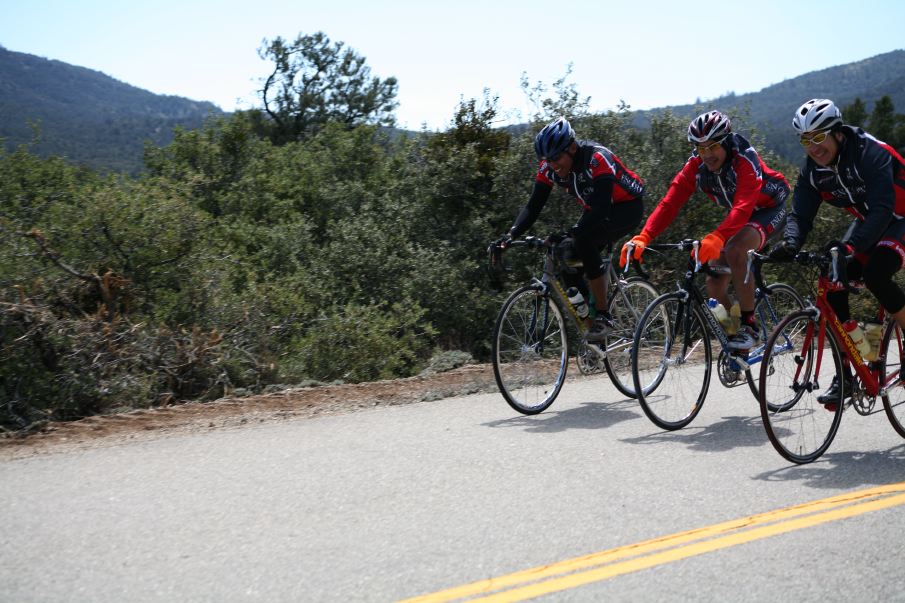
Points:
627	303
530	350
893	381
799	426
770	309
671	362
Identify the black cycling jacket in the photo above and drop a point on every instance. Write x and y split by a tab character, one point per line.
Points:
867	180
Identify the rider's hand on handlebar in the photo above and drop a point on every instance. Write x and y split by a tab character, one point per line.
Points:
784	250
640	241
503	241
711	246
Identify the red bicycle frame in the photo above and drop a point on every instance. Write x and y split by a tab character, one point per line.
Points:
869	375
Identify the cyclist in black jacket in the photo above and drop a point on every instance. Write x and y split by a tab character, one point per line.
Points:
848	168
609	194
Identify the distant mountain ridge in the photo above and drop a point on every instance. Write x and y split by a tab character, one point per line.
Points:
771	108
93	119
85	115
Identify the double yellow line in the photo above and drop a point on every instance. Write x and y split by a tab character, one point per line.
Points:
579	571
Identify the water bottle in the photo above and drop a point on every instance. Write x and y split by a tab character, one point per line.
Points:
719	311
735	319
855	331
577	300
873	331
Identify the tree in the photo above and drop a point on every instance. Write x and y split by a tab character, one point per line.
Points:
855	114
567	101
883	120
314	81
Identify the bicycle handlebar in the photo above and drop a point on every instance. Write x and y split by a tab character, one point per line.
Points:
495	250
829	264
690	245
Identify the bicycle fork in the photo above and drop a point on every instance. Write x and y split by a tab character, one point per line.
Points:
682	327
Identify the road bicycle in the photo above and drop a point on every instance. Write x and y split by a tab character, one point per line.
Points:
799	426
531	337
672	341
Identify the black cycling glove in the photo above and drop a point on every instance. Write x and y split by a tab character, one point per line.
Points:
784	250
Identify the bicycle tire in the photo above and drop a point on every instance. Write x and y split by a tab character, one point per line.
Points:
892	378
769	315
530	350
797	424
672	358
626	305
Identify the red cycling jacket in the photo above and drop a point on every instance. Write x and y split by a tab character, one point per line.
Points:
743	185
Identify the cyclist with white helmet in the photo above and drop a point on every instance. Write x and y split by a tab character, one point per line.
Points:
609	194
726	168
848	168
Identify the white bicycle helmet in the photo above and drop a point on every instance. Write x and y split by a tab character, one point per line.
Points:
712	125
816	115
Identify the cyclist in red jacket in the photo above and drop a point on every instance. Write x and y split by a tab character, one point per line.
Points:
609	194
725	167
848	168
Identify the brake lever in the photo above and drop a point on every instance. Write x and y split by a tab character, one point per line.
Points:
630	251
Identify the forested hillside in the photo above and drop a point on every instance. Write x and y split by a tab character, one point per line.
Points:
94	120
770	110
86	116
295	244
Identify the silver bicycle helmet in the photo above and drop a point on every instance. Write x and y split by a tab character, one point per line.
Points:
816	115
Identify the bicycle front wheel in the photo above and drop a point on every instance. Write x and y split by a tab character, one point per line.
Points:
530	350
799	426
893	381
671	362
627	303
770	309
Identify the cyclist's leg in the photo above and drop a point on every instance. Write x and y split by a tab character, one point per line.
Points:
623	219
717	287
881	266
588	251
764	225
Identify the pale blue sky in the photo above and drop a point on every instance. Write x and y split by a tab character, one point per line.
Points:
649	53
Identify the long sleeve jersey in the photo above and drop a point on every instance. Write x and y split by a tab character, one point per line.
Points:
744	184
867	180
598	180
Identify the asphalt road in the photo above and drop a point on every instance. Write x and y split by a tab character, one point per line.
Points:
397	502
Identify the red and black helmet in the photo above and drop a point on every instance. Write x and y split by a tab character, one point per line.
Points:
712	125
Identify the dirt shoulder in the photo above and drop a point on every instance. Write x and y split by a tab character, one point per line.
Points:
230	412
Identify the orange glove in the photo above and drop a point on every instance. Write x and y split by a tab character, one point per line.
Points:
711	246
640	241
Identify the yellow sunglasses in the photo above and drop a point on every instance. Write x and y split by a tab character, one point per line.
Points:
817	138
705	149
